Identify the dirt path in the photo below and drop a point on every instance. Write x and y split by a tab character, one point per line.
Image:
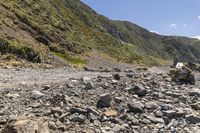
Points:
12	78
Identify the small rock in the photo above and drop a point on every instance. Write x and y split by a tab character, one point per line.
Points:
56	110
35	105
136	107
192	119
92	110
104	101
170	113
52	125
195	92
154	119
116	76
89	86
138	89
129	75
118	99
92	117
117	69
166	107
195	106
117	128
12	95
62	127
78	110
158	113
151	105
109	113
78	118
47	87
36	94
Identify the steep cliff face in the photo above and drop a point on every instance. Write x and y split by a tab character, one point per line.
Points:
39	31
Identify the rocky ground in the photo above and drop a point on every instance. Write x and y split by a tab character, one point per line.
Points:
97	101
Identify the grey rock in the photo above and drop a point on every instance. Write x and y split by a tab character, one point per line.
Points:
52	125
78	110
47	87
117	69
170	113
194	92
116	76
154	119
89	86
78	118
92	110
56	110
104	100
151	105
195	106
138	89
166	107
118	99
36	94
192	119
129	75
9	95
136	107
62	127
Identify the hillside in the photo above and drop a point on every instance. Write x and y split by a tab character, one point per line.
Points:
49	31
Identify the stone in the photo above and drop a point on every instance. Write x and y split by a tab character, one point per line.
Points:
194	92
26	125
151	105
166	107
192	119
116	76
117	69
62	117
138	89
36	94
35	105
89	86
56	110
78	118
117	128
110	113
118	99
92	110
129	75
195	106
78	110
170	113
104	101
92	117
154	119
47	87
136	107
9	95
52	125
62	127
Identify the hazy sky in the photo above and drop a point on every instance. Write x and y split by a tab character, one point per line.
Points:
168	17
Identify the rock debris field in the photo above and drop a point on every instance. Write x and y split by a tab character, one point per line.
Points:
97	101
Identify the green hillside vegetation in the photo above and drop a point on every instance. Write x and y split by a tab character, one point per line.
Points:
68	29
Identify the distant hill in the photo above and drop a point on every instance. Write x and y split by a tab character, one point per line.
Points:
47	31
